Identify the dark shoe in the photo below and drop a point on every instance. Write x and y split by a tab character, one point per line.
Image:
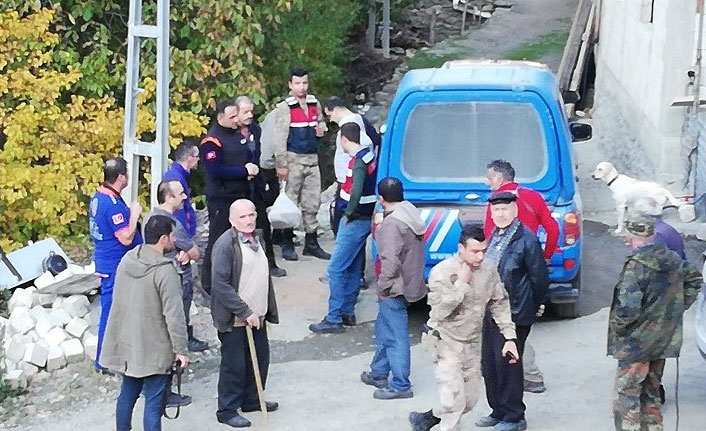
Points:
269	405
534	387
370	380
277	272
326	327
662	394
324	279
511	426
312	248
423	421
196	345
487	422
348	320
236	421
176	400
391	394
288	252
104	371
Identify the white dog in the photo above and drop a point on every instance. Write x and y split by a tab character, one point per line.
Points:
626	190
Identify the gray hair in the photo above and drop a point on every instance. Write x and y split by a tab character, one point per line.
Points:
243	100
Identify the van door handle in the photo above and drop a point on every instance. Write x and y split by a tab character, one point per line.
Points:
472	196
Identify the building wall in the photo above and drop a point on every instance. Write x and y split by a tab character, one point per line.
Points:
641	68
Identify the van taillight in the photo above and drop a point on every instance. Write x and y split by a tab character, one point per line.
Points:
572	227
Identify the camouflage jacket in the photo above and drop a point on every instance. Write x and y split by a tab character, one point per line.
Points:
458	308
654	289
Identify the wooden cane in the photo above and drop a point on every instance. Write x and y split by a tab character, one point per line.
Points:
256	371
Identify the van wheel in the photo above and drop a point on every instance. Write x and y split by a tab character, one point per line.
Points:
570	310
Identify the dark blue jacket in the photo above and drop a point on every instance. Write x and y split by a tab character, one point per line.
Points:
224	157
185	215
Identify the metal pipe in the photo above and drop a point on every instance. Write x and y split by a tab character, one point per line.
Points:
699	44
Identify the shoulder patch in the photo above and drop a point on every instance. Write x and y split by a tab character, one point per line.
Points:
310	98
118	219
212	140
211	155
291	100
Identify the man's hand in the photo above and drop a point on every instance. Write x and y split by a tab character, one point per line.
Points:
135	211
464	274
183	257
510	349
252	169
183	360
319	130
540	311
283	174
253	321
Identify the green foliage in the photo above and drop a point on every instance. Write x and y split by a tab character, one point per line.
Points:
314	36
424	60
546	44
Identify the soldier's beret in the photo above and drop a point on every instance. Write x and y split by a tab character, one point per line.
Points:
502	198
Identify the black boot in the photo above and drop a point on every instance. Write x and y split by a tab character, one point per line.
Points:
288	252
195	345
276	271
277	236
312	247
423	421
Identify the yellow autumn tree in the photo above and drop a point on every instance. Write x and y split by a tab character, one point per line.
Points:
53	142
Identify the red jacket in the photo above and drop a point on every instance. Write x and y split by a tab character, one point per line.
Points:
532	212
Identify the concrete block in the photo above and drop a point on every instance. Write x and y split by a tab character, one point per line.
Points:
73	350
90	345
59	317
701	232
57	302
21	320
56	336
55	358
76	305
33	336
43	299
90	268
63	275
16	379
9	365
30	370
36	354
44	325
76	327
44	280
687	213
15	351
38	311
76	269
20	298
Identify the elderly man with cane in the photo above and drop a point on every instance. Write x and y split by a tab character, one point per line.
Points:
242	299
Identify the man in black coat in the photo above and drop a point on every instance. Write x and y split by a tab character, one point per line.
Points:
524	273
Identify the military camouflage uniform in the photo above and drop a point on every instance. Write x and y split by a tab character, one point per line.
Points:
304	182
457	312
655	288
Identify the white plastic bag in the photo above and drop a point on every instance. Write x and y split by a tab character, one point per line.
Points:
284	214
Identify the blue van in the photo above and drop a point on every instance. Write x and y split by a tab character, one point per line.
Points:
445	125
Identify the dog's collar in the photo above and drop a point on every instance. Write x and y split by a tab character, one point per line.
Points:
613	180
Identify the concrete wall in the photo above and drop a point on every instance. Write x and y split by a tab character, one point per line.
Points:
641	68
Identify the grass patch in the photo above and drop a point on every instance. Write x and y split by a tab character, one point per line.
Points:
424	60
550	43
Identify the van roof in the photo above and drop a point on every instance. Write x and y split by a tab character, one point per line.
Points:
482	75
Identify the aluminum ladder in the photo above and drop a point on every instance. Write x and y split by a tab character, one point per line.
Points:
133	148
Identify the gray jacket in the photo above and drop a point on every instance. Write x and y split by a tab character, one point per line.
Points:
146	326
400	241
226	304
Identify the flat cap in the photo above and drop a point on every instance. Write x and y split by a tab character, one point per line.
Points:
502	198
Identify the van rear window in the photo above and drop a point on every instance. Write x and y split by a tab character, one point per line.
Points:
453	142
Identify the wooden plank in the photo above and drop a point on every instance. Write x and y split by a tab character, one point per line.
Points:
77	284
577	73
573	43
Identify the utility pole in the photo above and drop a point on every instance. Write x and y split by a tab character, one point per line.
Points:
133	148
386	28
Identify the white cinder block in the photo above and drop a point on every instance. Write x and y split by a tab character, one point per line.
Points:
21	320
9	365
76	269
16	349
55	358
16	379
76	327
30	369
73	350
90	268
33	336
36	354
76	305
43	299
20	298
63	275
55	337
43	326
57	302
38	311
59	317
90	345
44	280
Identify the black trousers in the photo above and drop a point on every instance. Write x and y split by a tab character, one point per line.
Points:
236	380
218	211
504	382
263	200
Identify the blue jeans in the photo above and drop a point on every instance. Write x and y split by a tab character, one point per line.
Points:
392	343
154	388
107	284
345	267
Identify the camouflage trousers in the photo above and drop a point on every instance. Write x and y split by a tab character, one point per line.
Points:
304	187
458	379
637	404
